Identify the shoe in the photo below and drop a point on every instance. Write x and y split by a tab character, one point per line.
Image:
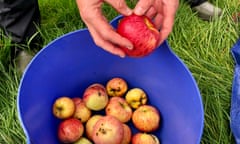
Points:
207	11
22	60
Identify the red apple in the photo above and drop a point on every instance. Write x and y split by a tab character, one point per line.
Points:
116	87
141	32
90	124
82	112
108	130
63	107
95	97
144	138
119	108
127	134
146	118
70	130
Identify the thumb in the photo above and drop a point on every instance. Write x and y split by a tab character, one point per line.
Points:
120	6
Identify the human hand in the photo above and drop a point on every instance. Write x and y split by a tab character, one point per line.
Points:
161	11
102	32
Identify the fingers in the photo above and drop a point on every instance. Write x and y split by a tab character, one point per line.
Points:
151	13
102	32
169	11
107	38
143	6
105	44
158	20
120	6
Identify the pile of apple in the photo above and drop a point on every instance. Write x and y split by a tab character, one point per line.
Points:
102	115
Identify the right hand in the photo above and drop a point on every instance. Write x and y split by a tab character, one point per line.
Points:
102	32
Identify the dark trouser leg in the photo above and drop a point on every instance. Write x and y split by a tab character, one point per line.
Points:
195	2
18	19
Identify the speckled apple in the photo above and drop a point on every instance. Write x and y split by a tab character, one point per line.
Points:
116	87
108	130
119	108
95	97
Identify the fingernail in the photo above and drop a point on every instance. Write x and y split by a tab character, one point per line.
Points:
130	47
122	55
138	11
128	11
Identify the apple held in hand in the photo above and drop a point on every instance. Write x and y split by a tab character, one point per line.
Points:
119	108
108	130
95	97
146	118
70	130
63	107
81	111
144	138
116	87
141	32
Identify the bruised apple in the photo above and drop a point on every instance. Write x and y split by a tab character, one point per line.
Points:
119	108
95	97
82	112
146	118
108	130
144	138
63	107
136	97
141	32
116	87
70	130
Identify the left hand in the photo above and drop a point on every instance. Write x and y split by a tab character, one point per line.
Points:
162	12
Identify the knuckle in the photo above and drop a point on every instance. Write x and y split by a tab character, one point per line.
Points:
120	4
98	42
108	33
85	15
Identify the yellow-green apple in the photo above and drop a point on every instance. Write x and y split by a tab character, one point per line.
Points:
116	87
127	134
82	112
141	31
70	130
119	108
108	130
145	138
146	118
83	140
90	124
63	107
95	97
136	97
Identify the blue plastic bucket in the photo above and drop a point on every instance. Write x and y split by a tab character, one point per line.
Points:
69	64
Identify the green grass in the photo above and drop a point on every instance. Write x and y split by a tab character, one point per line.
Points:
203	46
